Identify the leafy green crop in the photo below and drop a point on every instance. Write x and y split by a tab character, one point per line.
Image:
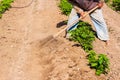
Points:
4	5
100	62
116	5
106	0
65	6
84	35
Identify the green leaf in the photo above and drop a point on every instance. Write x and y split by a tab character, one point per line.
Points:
98	72
94	64
4	5
65	6
100	62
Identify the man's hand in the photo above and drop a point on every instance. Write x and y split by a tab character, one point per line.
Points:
82	14
79	11
100	4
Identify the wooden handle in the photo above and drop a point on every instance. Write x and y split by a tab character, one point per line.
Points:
74	22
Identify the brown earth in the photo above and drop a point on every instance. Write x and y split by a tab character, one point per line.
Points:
22	30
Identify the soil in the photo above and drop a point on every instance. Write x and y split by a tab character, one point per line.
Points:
22	57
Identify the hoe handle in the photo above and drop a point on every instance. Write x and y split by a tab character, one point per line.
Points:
74	22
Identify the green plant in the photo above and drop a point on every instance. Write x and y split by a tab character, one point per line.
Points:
65	6
116	5
84	35
106	1
100	62
4	5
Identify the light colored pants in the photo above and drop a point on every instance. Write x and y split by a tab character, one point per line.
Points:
97	19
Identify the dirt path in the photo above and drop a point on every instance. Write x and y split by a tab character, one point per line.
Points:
23	59
20	27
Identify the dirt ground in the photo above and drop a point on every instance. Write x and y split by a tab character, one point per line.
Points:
22	30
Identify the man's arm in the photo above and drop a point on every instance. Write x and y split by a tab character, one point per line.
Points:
102	0
101	3
79	10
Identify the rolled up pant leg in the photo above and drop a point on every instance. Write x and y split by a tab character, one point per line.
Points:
73	16
100	25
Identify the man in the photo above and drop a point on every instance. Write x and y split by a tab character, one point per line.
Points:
96	17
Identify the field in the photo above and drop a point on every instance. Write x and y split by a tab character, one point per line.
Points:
22	57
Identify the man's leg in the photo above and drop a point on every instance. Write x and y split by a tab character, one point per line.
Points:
100	25
72	17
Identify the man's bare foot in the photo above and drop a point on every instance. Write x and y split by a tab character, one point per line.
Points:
107	42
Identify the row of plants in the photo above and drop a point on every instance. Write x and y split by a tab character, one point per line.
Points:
99	62
5	5
65	7
84	36
114	4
